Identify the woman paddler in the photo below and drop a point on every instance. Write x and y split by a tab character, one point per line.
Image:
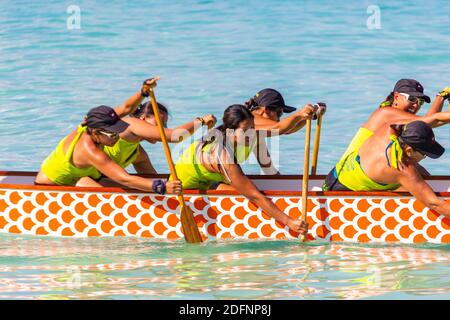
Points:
142	126
213	162
267	107
388	160
79	159
401	106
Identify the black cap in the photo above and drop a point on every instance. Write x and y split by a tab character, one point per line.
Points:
411	87
104	117
272	98
420	137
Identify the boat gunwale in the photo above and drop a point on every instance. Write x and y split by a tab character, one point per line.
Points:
285	193
251	176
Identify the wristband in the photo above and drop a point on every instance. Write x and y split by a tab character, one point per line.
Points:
321	108
159	186
143	94
444	93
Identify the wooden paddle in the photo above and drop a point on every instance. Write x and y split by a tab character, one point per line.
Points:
188	224
305	183
315	156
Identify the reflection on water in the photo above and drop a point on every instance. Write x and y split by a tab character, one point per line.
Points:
130	268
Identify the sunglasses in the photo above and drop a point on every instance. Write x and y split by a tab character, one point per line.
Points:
109	134
412	99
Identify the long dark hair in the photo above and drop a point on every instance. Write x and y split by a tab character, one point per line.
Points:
148	110
232	117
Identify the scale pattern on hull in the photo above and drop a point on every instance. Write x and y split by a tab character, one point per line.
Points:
86	214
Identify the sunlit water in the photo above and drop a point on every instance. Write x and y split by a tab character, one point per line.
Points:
113	268
211	54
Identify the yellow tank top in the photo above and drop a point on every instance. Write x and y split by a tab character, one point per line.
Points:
58	165
361	136
194	175
350	173
123	152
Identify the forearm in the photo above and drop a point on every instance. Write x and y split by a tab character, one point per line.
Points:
135	182
180	133
441	207
437	105
298	126
130	105
437	119
417	186
271	209
291	124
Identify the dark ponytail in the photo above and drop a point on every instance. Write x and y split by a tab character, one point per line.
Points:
148	110
398	128
388	102
232	118
251	104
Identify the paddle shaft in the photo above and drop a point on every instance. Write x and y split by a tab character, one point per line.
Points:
305	181
190	229
315	156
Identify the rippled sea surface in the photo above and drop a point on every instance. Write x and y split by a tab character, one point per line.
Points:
124	268
211	54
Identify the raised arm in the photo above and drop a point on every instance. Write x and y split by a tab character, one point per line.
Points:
288	125
246	187
135	100
438	102
150	132
179	133
434	120
412	181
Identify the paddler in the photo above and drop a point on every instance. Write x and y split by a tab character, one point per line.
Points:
401	104
79	159
388	160
213	163
267	107
142	126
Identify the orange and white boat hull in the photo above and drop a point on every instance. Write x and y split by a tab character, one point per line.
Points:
332	216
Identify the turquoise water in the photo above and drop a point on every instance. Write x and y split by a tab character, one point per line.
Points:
113	268
209	55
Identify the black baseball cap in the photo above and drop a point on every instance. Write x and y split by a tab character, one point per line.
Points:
411	87
271	98
104	117
420	137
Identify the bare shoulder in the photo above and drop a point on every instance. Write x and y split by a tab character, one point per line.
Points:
88	147
378	117
261	121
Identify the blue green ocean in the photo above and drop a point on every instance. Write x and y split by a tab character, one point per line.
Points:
58	59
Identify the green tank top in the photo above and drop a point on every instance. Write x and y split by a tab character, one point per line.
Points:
123	152
58	165
351	175
194	175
